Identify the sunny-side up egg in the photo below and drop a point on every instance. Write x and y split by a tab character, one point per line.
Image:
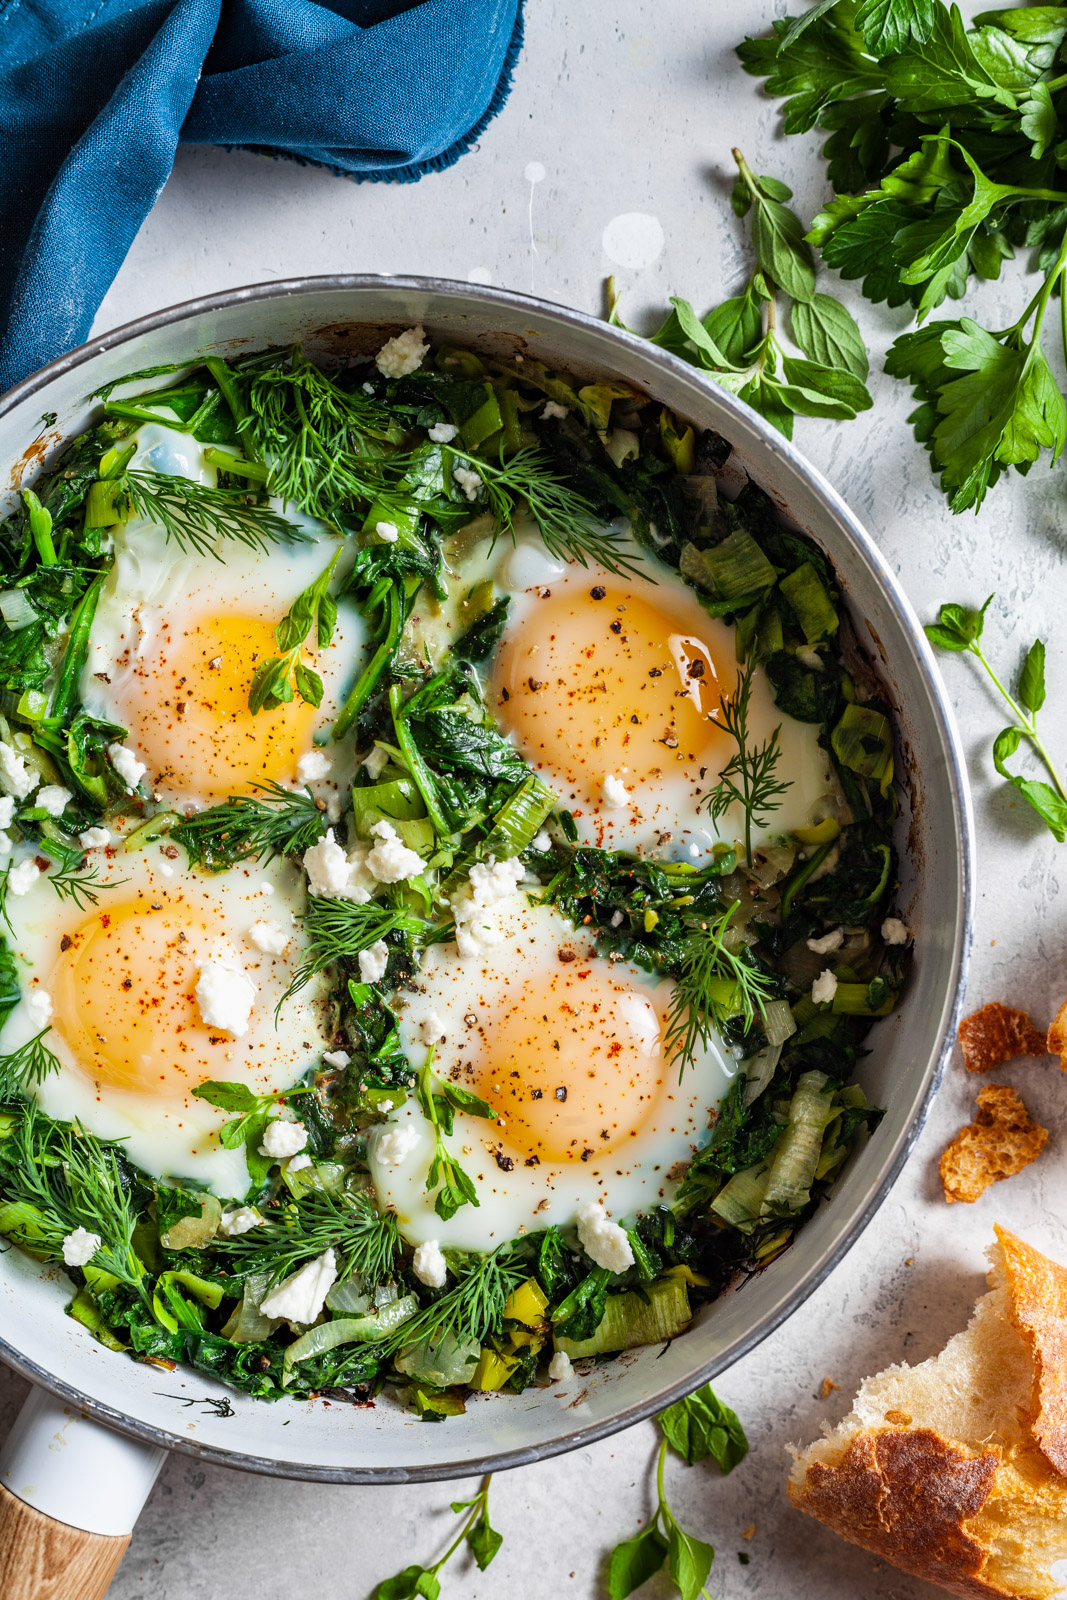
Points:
116	983
568	1050
612	688
177	637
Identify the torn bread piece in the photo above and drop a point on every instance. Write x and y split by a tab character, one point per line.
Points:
1001	1141
997	1034
1057	1036
953	1470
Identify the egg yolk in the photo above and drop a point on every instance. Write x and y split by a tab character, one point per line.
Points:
612	679
123	998
186	706
572	1062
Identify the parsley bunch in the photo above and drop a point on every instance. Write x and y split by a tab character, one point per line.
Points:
945	149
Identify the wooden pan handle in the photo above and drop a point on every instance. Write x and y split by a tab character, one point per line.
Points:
41	1559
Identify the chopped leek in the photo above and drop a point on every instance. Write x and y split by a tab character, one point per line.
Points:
656	1313
371	1329
740	1202
194	1233
807	594
863	742
796	1155
16	609
738	566
519	819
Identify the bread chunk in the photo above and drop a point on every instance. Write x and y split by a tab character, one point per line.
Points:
1057	1036
953	1470
997	1034
1000	1141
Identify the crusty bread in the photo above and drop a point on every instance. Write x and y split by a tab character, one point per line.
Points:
956	1470
1057	1036
997	1034
1000	1142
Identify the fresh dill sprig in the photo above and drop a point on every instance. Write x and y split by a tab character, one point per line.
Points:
273	822
749	777
567	521
365	1242
195	517
69	1179
439	1100
273	680
474	1309
31	1063
80	887
335	929
713	984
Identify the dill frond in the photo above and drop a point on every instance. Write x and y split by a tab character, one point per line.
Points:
195	516
365	1242
475	1307
714	984
335	929
749	777
80	887
30	1064
272	822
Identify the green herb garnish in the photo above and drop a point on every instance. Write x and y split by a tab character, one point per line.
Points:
439	1100
481	1539
749	778
273	821
195	517
365	1242
274	678
717	979
30	1064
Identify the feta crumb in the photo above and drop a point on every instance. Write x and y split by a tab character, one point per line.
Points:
80	1247
388	532
810	658
614	791
559	1368
553	409
431	1028
603	1241
368	388
53	798
38	1009
282	1138
391	861
491	886
126	764
824	988
298	1162
335	876
301	1297
18	779
376	762
270	938
373	962
21	879
396	1143
336	1058
542	840
829	941
94	838
7	810
429	1265
224	992
313	764
240	1220
442	432
894	931
617	919
403	354
469	481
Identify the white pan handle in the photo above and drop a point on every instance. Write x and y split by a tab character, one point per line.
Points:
70	1493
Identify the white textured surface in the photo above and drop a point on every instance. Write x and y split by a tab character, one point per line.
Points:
621	118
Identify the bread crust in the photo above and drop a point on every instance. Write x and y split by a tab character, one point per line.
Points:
1000	1142
1038	1303
1057	1036
998	1033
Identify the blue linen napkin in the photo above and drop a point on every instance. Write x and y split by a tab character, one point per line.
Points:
95	96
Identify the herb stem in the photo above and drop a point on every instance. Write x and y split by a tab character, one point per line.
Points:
1026	721
222	375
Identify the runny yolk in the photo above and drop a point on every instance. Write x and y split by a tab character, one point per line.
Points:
612	679
571	1061
123	998
186	706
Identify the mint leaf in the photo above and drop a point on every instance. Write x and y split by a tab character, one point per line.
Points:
1031	690
484	1541
701	1426
414	1583
827	333
736	328
781	250
688	1562
227	1096
1050	806
830	384
888	25
634	1562
957	627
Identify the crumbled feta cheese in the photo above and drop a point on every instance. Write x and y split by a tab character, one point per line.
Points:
373	962
336	1058
241	1219
126	764
368	388
431	1028
442	432
542	840
7	810
53	798
301	1297
298	1162
603	1241
335	876
553	409
559	1368
388	532
376	762
829	941
224	991
17	778
94	838
617	919
894	931
282	1138
313	764
469	481
492	884
270	938
810	658
402	354
391	861
39	1009
396	1143
429	1265
824	988
80	1247
614	790
21	879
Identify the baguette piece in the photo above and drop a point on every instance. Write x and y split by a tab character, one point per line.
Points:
956	1470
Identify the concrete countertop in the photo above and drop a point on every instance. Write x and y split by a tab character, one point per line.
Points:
613	155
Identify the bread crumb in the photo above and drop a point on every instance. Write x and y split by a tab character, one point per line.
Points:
899	1419
997	1034
828	1387
1057	1036
749	1532
998	1143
